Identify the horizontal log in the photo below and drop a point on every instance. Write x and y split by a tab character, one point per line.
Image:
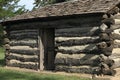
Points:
25	42
27	36
23	58
74	30
28	65
26	52
24	31
73	42
83	48
76	69
69	32
77	56
95	51
61	39
70	35
76	59
23	47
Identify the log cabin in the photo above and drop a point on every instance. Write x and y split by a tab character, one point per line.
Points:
76	36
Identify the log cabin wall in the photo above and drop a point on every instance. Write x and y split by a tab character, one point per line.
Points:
76	49
19	35
31	48
22	48
80	47
90	49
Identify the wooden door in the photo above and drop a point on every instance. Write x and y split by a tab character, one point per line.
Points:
46	47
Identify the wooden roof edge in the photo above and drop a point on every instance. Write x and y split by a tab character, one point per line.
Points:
50	18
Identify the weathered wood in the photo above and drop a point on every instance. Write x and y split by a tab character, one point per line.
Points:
7	46
4	33
76	30
35	31
95	51
28	65
76	59
83	48
61	39
103	27
115	51
27	36
41	48
26	52
117	21
108	21
25	42
63	23
114	10
85	31
106	51
113	27
106	70
116	36
76	69
6	41
105	37
106	60
23	58
117	16
112	61
73	42
49	49
24	34
23	47
105	16
116	63
116	43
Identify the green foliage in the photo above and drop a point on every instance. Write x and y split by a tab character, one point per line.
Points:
2	55
9	8
39	3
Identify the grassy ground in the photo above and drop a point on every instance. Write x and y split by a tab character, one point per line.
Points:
6	74
1	57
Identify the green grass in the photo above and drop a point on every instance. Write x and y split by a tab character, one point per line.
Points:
2	63
7	74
